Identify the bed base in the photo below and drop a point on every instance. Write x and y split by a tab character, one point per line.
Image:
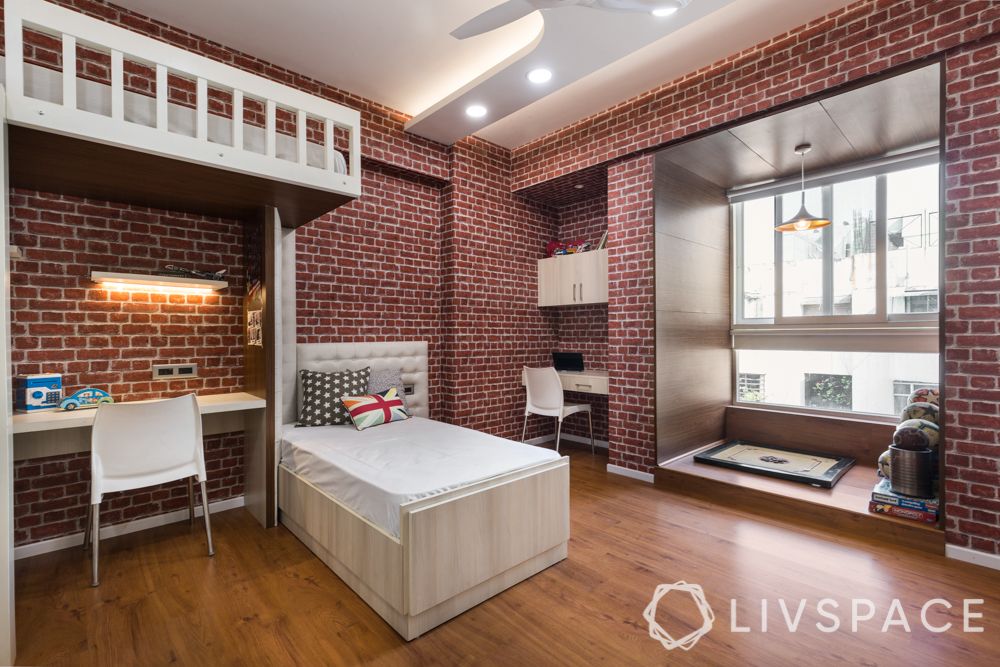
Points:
455	549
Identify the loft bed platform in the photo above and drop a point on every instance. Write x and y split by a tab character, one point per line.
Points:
166	128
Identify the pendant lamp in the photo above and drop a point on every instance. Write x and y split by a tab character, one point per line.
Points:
803	220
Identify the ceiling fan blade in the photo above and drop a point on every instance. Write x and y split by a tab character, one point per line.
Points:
494	18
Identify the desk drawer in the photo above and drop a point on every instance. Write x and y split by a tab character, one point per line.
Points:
587	384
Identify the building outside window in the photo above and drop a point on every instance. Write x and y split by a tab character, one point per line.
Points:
750	387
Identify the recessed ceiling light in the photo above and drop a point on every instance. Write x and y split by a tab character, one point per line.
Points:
540	75
475	111
578	186
666	10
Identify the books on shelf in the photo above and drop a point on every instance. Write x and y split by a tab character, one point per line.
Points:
883	493
902	512
886	501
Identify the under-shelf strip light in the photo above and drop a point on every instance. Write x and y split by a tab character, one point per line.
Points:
133	282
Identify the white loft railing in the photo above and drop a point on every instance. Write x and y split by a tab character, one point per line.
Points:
306	164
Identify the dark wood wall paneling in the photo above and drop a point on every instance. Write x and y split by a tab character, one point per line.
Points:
693	351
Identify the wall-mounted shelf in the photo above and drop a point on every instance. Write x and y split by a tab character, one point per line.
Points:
573	280
156	283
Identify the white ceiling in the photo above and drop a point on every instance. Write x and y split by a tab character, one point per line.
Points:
399	52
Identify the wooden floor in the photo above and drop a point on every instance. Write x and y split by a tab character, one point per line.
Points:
265	600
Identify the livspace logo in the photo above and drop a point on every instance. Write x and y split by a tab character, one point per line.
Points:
688	641
782	615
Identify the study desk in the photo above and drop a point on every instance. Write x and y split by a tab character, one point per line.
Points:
54	432
586	382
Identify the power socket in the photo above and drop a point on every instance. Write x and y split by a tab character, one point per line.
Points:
174	371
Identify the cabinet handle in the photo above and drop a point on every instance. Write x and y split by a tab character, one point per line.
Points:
574	292
581	291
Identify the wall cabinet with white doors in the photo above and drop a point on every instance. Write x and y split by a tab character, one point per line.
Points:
573	280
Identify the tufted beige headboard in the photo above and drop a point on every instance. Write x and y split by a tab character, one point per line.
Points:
410	357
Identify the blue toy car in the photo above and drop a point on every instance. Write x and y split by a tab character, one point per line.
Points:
86	398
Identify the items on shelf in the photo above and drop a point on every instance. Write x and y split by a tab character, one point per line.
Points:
553	248
36	392
907	470
883	494
89	397
174	270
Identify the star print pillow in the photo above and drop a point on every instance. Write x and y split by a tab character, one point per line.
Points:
321	394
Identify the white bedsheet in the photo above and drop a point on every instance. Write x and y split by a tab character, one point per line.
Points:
376	470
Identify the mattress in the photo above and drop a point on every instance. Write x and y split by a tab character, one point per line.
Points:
375	471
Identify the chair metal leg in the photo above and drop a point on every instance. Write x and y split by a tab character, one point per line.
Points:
87	525
191	500
590	420
524	431
208	523
95	536
558	434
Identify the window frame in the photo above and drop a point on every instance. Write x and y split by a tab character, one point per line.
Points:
882	317
881	331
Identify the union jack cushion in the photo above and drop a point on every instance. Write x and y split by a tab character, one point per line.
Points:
375	409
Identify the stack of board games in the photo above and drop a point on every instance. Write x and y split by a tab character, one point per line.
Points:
886	501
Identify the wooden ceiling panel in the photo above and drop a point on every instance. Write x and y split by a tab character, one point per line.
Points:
893	114
721	158
898	112
775	137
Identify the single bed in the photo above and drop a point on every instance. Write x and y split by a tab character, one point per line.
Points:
422	519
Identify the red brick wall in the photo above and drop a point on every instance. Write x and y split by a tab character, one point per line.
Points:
631	315
51	494
61	322
492	326
371	270
972	308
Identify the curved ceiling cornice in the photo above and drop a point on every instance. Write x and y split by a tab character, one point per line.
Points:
574	42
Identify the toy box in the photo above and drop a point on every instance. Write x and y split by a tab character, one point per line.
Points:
37	392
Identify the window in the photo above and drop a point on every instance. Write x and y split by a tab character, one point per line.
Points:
862	382
912	248
855	233
801	259
829	392
901	390
750	387
878	259
832	317
757	273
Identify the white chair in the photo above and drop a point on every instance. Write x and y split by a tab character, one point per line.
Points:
545	397
134	445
